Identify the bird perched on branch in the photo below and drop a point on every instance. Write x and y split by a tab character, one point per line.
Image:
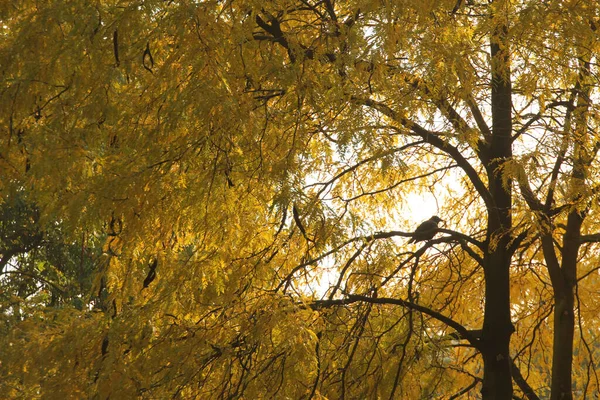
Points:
426	230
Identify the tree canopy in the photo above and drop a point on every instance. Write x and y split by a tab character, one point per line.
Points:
214	199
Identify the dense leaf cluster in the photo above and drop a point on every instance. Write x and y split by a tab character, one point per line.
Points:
214	199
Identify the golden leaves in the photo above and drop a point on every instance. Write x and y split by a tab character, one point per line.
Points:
208	281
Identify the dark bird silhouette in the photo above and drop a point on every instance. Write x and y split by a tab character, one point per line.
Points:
426	230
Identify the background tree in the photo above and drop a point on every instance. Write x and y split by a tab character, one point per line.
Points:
249	169
41	268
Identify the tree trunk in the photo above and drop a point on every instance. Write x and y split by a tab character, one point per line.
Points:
565	279
497	326
497	329
562	357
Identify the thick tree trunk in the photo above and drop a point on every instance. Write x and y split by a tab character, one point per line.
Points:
497	329
564	283
562	357
564	279
497	326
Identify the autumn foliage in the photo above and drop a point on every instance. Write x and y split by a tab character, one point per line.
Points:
214	199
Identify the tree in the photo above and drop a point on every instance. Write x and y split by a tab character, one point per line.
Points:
247	167
41	268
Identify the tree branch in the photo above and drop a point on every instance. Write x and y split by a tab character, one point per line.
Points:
592	238
462	236
539	115
433	139
453	116
362	162
479	120
354	298
521	382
